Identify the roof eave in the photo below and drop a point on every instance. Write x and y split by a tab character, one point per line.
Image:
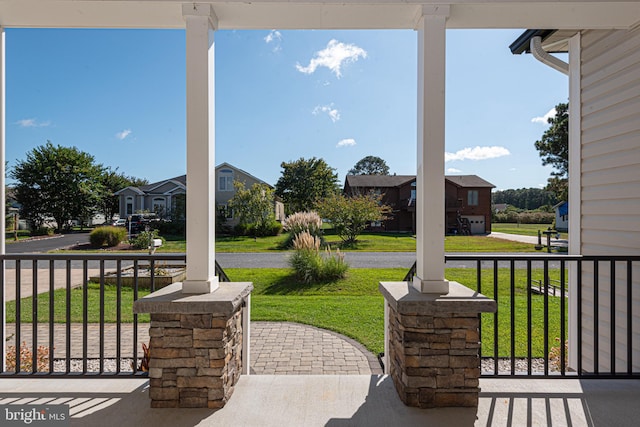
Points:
522	43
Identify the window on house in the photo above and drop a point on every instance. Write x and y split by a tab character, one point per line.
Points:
472	198
159	206
129	204
225	180
225	211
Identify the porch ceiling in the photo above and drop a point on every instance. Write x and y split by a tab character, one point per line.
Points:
318	14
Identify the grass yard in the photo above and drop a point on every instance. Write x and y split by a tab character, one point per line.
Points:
352	306
368	242
484	244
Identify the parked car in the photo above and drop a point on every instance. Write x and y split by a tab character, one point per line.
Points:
116	222
137	222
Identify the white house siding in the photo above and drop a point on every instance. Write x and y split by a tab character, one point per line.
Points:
610	189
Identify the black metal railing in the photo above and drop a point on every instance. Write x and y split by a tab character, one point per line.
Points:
70	315
529	333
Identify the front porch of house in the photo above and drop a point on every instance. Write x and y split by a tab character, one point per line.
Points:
601	309
339	400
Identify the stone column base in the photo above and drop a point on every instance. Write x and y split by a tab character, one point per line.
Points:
196	345
433	344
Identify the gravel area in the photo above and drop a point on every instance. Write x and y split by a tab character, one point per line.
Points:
504	365
93	365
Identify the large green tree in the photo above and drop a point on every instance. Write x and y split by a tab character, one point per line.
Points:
553	148
303	182
370	165
351	215
57	182
112	181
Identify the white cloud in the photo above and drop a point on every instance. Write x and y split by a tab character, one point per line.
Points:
32	123
545	119
348	142
477	153
274	37
333	57
542	185
453	170
333	113
513	169
122	135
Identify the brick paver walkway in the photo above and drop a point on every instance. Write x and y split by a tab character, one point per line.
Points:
276	347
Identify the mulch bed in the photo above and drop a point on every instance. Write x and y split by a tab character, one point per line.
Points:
88	247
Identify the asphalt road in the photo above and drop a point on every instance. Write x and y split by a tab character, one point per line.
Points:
254	260
46	244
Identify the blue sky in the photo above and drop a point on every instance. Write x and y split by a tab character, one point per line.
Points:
280	95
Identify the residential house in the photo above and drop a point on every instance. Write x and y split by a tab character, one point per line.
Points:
467	200
562	216
164	197
467	204
604	156
226	175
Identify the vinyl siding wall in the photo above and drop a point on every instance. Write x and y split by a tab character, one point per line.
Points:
610	190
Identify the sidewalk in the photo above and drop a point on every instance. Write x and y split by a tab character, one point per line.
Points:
42	279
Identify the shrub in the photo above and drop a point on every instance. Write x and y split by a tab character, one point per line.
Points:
107	236
272	228
172	228
526	217
42	231
309	266
141	241
26	358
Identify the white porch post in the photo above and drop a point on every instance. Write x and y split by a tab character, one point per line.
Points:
430	214
575	190
201	23
2	186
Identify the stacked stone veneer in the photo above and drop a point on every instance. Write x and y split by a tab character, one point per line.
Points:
196	344
433	344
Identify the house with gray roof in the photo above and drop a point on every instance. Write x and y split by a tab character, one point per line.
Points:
467	201
164	197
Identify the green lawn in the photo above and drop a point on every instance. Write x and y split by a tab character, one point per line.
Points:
523	229
352	306
368	242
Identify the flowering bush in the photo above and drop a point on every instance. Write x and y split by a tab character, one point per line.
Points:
26	358
309	266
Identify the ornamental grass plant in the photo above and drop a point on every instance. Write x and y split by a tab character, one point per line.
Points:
310	266
299	222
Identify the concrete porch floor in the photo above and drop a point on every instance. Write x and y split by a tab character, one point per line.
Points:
337	400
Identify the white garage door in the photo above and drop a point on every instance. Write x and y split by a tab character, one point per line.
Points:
477	223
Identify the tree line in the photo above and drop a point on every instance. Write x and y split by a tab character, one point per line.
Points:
525	198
